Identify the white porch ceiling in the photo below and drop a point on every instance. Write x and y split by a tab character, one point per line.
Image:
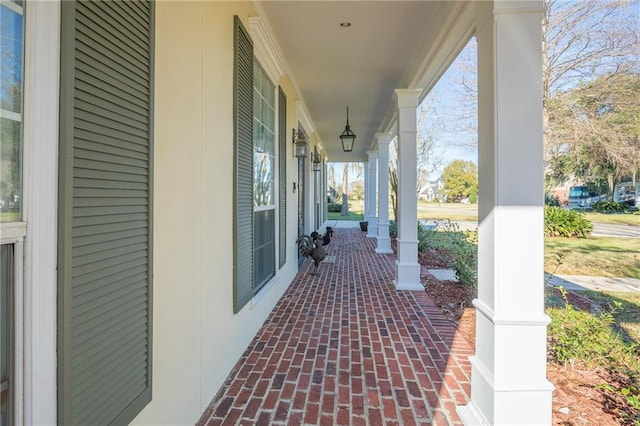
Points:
389	45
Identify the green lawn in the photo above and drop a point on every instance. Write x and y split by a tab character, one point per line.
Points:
623	218
469	212
595	256
351	216
356	212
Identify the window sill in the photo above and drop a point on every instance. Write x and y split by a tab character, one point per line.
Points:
12	232
264	290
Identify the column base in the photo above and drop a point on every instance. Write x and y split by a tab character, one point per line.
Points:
470	415
507	403
384	245
372	231
508	374
408	276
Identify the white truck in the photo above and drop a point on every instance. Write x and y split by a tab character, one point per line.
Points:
627	193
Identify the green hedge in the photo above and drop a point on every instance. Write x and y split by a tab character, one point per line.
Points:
334	208
609	206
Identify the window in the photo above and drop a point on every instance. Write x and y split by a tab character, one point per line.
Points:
6	280
258	198
11	88
263	177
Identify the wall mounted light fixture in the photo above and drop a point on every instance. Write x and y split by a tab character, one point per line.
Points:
300	143
316	160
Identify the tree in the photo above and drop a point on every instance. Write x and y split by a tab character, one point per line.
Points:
582	40
357	190
599	126
356	169
460	180
331	176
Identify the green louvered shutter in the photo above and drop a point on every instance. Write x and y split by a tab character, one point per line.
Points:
104	282
282	164
243	164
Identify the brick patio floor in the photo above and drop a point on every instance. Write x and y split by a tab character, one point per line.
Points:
346	348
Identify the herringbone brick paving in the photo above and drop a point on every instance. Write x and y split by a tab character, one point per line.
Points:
346	348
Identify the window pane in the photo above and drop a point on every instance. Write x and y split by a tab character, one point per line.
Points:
11	63
263	179
6	279
264	256
10	170
263	140
11	49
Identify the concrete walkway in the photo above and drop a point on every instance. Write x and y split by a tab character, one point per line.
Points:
346	348
581	283
615	230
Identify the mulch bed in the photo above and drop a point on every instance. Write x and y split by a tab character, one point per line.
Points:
577	399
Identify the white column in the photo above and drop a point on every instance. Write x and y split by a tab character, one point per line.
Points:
509	385
384	242
372	218
407	266
367	192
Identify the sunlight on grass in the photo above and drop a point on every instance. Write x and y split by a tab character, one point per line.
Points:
451	211
595	256
622	218
627	314
351	216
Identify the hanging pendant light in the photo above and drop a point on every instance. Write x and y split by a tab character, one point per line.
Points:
347	137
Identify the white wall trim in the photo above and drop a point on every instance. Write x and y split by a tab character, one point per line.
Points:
304	118
266	48
41	118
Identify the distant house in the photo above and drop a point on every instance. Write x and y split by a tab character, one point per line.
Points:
432	192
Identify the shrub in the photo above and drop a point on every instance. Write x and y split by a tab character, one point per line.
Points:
393	228
334	208
559	222
466	257
551	200
580	337
609	206
577	336
462	246
423	238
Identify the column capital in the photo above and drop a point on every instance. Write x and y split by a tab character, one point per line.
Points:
372	155
518	6
407	98
383	138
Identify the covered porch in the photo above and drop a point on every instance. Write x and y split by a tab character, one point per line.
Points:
347	348
219	87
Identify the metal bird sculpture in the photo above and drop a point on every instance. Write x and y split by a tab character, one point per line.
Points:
311	246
